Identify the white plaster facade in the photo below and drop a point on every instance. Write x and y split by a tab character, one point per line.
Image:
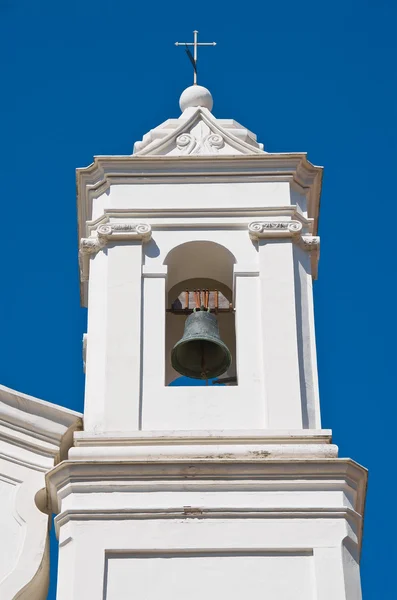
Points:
217	491
34	436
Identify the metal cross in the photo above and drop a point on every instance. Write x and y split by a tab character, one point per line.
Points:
193	58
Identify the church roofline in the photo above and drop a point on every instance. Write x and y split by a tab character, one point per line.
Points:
41	427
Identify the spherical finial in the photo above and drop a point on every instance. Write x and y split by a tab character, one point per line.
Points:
195	95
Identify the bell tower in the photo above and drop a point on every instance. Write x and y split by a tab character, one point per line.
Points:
222	490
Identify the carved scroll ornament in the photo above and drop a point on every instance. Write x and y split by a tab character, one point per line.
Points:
274	229
110	232
115	232
284	229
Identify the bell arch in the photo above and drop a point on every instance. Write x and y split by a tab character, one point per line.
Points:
201	267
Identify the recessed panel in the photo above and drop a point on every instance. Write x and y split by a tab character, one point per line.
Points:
209	576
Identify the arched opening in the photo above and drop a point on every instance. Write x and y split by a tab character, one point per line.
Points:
199	270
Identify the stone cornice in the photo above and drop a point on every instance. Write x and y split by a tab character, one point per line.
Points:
34	433
146	445
165	437
301	471
256	474
95	179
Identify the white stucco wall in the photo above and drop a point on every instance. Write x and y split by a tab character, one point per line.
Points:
128	289
34	436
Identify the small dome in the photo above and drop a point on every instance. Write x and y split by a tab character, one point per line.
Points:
195	95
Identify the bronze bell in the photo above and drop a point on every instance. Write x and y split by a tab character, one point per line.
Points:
200	353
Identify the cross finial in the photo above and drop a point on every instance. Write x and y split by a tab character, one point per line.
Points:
193	59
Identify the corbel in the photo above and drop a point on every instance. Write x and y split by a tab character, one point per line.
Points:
292	229
110	233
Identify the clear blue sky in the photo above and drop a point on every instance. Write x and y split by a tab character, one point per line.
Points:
81	78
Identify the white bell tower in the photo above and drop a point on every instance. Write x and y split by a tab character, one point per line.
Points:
217	491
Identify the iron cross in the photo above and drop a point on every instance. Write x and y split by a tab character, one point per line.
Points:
193	58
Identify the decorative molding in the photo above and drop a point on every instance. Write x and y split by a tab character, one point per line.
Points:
208	144
124	231
274	229
202	512
198	134
91	245
291	229
213	436
109	232
200	451
34	432
94	180
310	243
176	474
106	171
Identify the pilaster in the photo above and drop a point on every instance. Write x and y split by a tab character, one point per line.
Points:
113	354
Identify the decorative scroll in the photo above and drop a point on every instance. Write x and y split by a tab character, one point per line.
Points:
110	232
124	231
274	229
202	141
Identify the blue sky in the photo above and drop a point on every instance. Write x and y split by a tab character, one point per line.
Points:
81	78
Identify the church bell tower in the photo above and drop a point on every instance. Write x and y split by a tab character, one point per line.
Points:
197	256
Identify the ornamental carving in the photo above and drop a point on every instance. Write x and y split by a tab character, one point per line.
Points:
311	243
201	141
274	229
126	231
110	232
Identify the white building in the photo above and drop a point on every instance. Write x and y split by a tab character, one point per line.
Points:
192	492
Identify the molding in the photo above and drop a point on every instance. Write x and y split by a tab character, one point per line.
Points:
94	180
301	471
201	512
292	229
274	229
198	451
114	232
33	430
230	218
124	477
165	437
109	233
105	171
200	133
